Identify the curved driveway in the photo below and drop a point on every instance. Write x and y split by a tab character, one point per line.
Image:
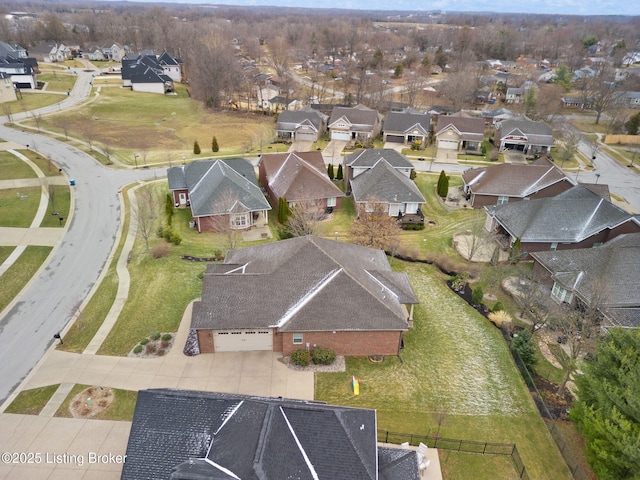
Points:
50	300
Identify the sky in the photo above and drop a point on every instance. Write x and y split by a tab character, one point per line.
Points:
560	7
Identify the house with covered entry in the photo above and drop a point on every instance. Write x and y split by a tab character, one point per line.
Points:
222	194
406	127
575	218
524	135
606	278
511	182
359	123
300	293
305	124
301	179
459	134
223	436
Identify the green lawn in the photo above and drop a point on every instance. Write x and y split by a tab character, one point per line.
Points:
17	276
19	206
58	81
48	167
31	402
124	403
11	167
32	101
457	364
60	202
5	252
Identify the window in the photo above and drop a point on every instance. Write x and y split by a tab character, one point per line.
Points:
331	202
561	294
554	246
297	339
411	208
239	220
502	199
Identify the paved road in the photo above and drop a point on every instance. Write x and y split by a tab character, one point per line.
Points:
50	300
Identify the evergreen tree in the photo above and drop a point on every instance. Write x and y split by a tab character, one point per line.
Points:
607	410
283	210
523	344
339	175
413	174
330	171
633	124
196	148
516	251
214	145
443	185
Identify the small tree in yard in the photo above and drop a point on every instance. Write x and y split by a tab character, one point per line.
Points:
283	210
477	295
443	185
374	227
214	145
413	174
330	171
196	148
339	175
146	212
523	344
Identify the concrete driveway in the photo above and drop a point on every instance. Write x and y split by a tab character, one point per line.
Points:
300	146
332	153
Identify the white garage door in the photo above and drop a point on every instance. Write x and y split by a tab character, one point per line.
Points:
242	340
309	136
448	144
340	135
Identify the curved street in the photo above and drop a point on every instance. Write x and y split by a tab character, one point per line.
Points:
49	300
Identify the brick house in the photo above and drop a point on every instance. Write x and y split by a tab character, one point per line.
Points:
303	292
300	178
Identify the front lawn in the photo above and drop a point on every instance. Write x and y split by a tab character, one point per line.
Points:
31	402
11	167
455	366
19	206
18	274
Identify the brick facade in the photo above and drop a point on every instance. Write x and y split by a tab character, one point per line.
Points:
346	343
481	201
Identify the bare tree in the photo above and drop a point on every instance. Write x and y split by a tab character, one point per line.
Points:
108	151
568	149
304	219
6	109
146	211
601	90
374	227
477	238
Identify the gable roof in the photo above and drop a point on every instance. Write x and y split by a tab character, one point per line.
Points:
612	269
538	133
369	157
298	176
322	285
143	69
178	434
359	117
384	183
467	128
405	122
292	119
514	180
570	217
218	187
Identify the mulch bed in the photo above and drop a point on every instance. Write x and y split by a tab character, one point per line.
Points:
90	402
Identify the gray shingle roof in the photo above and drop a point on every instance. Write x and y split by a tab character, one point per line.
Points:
291	119
384	183
403	122
537	133
219	186
613	270
570	217
514	180
298	176
359	117
369	157
195	435
321	285
468	128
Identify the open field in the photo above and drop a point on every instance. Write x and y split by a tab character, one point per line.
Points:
31	101
12	167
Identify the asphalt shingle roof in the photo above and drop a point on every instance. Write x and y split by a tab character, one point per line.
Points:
360	118
569	217
369	157
404	122
537	133
321	285
468	128
196	435
292	119
384	183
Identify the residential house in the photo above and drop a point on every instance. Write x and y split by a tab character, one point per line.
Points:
606	278
7	90
459	134
525	135
59	53
300	178
517	95
20	71
115	52
302	292
491	117
145	74
575	102
211	435
305	124
14	50
510	182
171	66
575	218
222	194
358	123
280	103
359	162
631	99
406	127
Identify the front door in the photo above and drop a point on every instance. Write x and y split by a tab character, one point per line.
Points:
183	198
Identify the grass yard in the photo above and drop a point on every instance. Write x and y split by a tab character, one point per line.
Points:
48	167
19	206
455	364
58	81
122	407
18	274
32	101
61	204
31	402
11	167
161	128
5	252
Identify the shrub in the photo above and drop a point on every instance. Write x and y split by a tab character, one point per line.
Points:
144	341
323	356
196	148
339	175
497	307
166	337
160	250
169	234
154	336
214	145
443	185
501	319
523	344
476	295
301	357
138	349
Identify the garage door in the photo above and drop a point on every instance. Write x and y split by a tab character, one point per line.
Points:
243	340
448	144
395	138
308	136
340	135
